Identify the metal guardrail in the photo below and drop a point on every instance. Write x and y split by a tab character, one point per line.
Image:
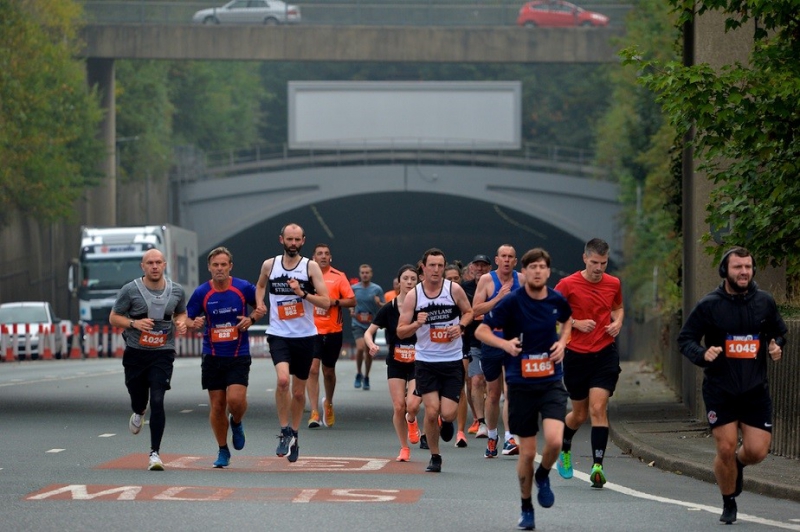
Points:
558	159
344	12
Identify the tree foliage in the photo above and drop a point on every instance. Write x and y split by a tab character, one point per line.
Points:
746	121
48	119
636	142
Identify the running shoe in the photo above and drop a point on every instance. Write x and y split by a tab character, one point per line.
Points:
328	417
526	520
359	378
435	465
155	463
294	448
446	430
223	458
237	433
597	476
545	496
564	464
366	383
483	431
510	447
135	423
404	456
284	441
728	513
473	429
491	448
423	442
413	431
461	439
313	420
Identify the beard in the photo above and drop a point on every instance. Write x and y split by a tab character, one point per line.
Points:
734	286
292	251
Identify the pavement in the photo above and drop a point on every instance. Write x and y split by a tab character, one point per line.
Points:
649	421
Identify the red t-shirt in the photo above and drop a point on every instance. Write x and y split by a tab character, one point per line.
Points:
330	321
591	301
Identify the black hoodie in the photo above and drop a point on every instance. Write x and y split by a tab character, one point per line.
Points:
718	317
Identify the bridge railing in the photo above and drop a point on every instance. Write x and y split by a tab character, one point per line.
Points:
531	156
346	12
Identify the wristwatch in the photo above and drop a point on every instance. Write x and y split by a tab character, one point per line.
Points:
131	324
305	295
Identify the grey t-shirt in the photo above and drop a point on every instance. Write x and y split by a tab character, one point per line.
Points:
130	303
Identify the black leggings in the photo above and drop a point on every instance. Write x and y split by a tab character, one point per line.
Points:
158	416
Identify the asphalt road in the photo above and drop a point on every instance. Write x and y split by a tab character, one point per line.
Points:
68	462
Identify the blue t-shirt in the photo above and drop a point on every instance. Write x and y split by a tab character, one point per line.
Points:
221	309
534	322
366	308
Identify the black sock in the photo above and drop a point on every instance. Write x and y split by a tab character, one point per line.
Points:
235	424
294	433
728	500
221	447
541	474
566	445
527	504
599	443
482	420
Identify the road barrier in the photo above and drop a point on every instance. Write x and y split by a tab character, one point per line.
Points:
94	341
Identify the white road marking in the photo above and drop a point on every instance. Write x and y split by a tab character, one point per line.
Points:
15	382
107	435
693	506
55	450
186	411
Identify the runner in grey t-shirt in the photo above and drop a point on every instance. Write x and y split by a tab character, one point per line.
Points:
150	310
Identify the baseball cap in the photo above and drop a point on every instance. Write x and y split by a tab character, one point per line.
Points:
482	258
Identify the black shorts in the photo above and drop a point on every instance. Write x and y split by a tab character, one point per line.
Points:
447	378
526	402
752	408
327	348
297	352
583	371
145	368
217	373
492	362
400	370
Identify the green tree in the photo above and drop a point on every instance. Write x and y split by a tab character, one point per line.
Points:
48	118
635	141
746	120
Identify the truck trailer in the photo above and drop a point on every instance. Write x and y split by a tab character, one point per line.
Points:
110	257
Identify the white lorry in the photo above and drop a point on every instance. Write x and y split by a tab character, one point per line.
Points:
111	257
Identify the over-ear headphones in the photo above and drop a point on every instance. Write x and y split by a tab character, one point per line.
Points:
723	263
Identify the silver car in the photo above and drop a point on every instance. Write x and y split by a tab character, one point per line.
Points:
269	12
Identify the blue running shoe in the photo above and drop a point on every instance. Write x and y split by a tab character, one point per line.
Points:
237	431
526	520
284	440
366	383
545	496
359	378
223	458
564	464
294	448
491	448
510	447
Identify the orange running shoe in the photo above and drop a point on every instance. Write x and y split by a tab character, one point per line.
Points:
473	429
413	431
404	456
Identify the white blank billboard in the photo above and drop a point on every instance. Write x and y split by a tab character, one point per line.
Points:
353	115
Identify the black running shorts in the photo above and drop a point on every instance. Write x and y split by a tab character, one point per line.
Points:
526	402
583	371
752	408
327	348
297	352
217	373
447	378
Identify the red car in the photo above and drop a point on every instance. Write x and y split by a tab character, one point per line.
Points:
556	14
